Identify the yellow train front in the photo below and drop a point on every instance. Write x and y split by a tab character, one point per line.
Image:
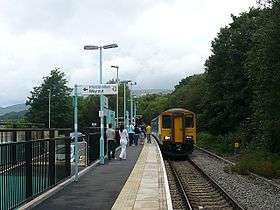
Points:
175	131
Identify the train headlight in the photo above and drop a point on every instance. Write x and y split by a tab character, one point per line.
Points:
167	138
189	138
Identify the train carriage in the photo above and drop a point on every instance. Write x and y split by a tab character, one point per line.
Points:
175	131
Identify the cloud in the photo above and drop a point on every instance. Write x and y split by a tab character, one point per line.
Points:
160	41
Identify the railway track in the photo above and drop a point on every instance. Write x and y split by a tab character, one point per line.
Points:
197	189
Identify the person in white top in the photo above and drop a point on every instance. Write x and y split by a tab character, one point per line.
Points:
123	142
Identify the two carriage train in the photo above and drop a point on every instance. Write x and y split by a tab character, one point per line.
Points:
175	131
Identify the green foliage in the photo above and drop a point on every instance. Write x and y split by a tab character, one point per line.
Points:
258	160
228	96
222	144
88	111
263	66
61	110
150	106
189	94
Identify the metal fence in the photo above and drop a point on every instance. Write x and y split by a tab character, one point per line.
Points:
25	134
28	168
31	167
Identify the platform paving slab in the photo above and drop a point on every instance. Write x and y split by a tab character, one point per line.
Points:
145	187
97	189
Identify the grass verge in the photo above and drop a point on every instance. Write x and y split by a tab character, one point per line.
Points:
256	158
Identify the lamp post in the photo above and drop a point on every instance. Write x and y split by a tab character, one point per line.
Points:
135	109
93	47
124	100
49	107
117	105
131	102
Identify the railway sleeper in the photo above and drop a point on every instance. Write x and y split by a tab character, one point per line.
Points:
203	192
211	205
207	196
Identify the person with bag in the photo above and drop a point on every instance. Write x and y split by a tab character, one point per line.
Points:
136	135
123	142
111	138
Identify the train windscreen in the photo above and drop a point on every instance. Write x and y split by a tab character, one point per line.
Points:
189	122
166	121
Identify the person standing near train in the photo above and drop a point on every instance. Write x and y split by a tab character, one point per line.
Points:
131	134
148	133
136	135
123	142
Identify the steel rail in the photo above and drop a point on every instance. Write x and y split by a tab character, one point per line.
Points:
218	187
181	187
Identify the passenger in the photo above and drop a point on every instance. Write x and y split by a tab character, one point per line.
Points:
131	134
111	138
123	142
142	135
137	135
148	133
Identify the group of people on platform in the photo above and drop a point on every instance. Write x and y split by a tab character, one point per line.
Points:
128	137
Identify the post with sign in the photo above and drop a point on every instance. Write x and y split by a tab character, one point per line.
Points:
76	132
101	89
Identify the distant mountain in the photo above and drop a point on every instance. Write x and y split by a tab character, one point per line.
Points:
143	92
13	108
13	116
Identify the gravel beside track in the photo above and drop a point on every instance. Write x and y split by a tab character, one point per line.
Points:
250	192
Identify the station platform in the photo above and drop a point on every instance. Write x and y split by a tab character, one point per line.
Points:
147	185
136	183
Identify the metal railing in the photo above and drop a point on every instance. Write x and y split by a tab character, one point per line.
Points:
25	134
30	168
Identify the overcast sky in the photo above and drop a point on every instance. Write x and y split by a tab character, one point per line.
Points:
160	41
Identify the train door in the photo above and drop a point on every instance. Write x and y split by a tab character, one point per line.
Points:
178	129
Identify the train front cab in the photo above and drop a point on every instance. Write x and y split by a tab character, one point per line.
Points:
178	132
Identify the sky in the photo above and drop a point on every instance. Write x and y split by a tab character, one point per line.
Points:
160	41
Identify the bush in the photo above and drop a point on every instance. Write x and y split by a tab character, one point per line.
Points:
205	139
223	144
258	160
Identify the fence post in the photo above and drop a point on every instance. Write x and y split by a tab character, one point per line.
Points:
52	158
28	136
28	169
67	157
14	147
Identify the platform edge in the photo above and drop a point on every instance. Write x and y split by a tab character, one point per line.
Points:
166	185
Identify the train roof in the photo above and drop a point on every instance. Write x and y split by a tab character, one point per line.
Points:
177	110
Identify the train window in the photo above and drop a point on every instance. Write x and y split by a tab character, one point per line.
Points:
166	121
189	122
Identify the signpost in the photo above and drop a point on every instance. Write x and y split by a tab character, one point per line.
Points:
76	132
105	102
85	90
103	89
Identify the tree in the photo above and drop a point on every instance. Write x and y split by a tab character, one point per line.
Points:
263	66
228	95
61	110
151	105
190	95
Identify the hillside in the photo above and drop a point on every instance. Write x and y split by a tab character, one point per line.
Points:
138	93
13	108
13	116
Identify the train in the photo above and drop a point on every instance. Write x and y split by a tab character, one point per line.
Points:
175	131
